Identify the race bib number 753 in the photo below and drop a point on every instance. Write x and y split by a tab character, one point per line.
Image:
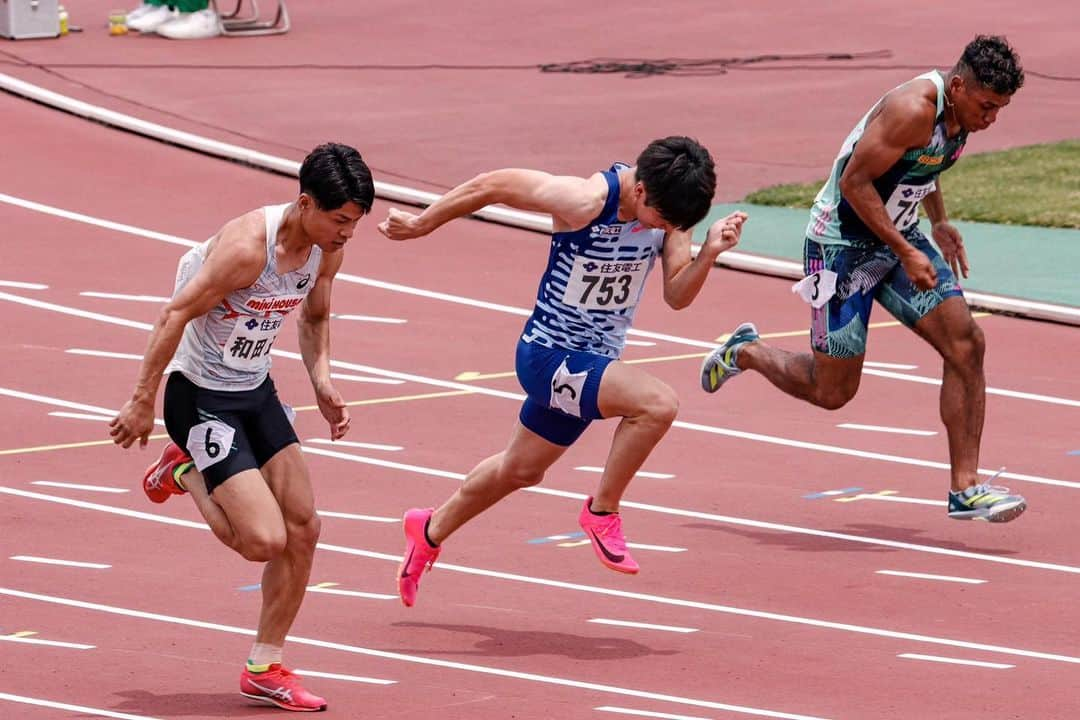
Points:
601	285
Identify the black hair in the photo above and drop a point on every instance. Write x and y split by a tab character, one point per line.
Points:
334	174
993	63
679	178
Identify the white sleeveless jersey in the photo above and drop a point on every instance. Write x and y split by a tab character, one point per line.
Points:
228	348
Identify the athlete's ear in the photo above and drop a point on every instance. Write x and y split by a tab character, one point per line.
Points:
304	202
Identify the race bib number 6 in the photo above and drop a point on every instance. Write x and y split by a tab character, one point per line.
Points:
600	285
209	442
903	204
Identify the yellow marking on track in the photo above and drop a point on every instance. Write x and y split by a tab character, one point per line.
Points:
325	585
372	401
863	496
471	375
23	633
574	543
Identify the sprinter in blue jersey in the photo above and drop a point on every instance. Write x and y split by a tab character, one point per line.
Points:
863	243
608	231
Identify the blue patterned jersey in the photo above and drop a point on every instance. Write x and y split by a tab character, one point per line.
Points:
593	281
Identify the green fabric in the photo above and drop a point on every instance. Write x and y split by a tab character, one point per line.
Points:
188	6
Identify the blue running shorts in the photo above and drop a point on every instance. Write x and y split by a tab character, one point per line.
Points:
562	388
866	271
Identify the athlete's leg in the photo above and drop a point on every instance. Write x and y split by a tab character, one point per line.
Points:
647	406
822	380
286	575
957	337
522	464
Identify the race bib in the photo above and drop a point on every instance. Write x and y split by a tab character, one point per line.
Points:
250	341
566	389
209	442
599	285
903	204
816	288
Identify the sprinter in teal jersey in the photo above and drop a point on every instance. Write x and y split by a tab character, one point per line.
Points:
863	243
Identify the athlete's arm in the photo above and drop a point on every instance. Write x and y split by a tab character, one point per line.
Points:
905	121
945	233
234	262
572	202
685	275
313	324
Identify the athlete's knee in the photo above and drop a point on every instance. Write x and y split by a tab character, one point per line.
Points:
968	349
261	545
519	473
835	395
304	535
661	405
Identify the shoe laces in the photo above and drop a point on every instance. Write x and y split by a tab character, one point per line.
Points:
988	487
609	527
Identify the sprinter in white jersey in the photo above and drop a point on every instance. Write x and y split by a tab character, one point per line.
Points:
608	230
233	447
863	243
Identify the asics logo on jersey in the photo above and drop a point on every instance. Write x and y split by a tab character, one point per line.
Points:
303	282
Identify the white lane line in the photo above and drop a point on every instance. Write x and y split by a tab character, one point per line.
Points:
370	318
657	548
727	519
77	486
641	343
890	496
49	643
643	626
104	354
526	579
416	659
363	378
647	713
955	661
93	712
46	400
339	676
122	296
354	516
521	312
517	397
355	444
23	285
351	593
885	429
55	561
639	473
1051	399
889	366
79	416
927	576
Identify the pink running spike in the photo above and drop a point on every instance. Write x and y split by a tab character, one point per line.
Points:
419	555
605	533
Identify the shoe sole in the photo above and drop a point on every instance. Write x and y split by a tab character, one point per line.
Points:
275	703
1001	516
705	376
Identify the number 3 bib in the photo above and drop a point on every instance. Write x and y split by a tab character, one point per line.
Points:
602	285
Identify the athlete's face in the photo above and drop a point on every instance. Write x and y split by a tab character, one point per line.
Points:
976	107
648	216
330	229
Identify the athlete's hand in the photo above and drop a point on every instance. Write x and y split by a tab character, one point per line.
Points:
948	239
400	225
134	422
333	408
724	233
919	269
